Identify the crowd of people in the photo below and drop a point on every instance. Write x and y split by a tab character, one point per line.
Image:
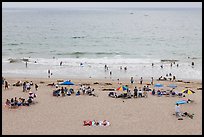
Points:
16	102
83	90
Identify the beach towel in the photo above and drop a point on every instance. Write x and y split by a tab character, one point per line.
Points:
181	102
96	123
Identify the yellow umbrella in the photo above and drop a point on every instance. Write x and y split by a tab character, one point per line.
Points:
188	91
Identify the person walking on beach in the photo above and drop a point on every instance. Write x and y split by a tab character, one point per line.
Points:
6	84
174	78
36	87
141	80
48	73
152	82
177	110
26	64
192	64
61	63
152	64
105	67
131	80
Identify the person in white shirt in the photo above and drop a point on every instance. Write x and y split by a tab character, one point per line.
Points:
177	110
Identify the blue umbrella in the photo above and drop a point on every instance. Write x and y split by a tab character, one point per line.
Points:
158	85
172	85
66	83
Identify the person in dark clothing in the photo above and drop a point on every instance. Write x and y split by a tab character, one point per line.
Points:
135	92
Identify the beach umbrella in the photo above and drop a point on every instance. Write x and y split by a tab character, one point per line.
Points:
66	83
158	85
172	85
188	91
122	88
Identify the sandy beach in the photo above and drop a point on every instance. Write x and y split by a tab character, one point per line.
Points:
65	115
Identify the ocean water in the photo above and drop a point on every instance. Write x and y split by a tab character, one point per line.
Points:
135	38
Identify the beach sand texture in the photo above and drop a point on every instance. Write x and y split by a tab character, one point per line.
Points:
65	115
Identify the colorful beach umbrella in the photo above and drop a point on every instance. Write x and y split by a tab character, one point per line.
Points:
172	85
188	91
158	85
122	88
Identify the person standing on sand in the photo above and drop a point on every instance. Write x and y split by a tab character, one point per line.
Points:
26	64
131	80
152	82
152	64
36	87
192	64
135	92
141	80
105	66
2	80
61	63
6	84
48	73
177	110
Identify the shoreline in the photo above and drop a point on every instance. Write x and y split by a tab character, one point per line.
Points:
99	79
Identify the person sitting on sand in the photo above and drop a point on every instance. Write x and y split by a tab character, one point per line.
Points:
71	90
8	102
69	93
173	93
145	94
12	103
153	92
188	114
29	100
78	93
159	93
15	101
105	123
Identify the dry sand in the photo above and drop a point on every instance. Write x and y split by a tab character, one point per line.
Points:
65	115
